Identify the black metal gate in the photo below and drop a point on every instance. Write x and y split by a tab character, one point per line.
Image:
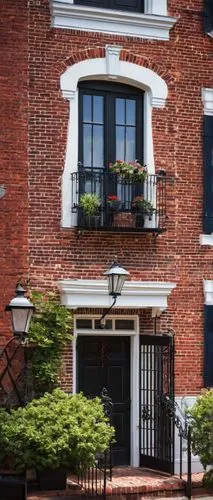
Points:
156	380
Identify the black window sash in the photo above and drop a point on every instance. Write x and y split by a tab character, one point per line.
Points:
208	174
89	180
208	16
208	346
126	5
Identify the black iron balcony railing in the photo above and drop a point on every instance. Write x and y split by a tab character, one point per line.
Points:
123	204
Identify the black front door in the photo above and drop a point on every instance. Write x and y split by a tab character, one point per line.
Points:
105	362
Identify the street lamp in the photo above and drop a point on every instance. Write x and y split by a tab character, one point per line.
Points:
116	277
21	312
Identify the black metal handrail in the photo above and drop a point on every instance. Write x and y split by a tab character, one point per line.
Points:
122	215
184	433
93	479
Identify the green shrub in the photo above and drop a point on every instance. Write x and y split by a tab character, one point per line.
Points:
202	427
208	479
50	330
57	430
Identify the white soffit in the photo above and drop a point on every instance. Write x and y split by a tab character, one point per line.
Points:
208	292
151	24
94	294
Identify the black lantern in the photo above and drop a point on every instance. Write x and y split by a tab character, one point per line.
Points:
21	312
116	277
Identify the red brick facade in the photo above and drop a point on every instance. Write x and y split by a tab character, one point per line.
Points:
34	121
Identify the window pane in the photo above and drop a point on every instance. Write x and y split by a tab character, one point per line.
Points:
108	324
130	112
84	323
120	112
98	146
120	144
124	324
130	144
87	145
87	108
98	109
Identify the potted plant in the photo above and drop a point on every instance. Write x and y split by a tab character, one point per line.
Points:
54	433
90	204
142	208
113	202
131	171
113	206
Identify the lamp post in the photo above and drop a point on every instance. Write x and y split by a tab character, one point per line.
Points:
21	312
116	277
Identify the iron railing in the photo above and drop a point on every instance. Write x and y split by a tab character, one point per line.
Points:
16	381
120	216
184	435
93	479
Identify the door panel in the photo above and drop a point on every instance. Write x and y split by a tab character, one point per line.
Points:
105	362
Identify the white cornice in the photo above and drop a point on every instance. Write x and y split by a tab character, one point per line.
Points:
94	294
78	17
208	292
207	97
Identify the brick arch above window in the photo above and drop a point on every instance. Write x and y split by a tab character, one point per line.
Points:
109	68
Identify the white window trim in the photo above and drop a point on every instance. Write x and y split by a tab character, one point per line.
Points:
107	68
153	24
207	98
208	292
134	370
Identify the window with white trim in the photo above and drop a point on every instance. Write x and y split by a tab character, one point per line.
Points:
142	81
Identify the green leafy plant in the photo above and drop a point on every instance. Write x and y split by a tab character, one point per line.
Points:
90	203
50	332
139	204
57	430
132	170
201	415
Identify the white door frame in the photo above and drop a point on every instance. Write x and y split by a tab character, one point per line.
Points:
134	373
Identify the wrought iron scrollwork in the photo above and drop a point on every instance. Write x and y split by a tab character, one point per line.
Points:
146	413
107	403
171	408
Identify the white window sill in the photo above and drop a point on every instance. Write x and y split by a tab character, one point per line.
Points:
77	17
206	239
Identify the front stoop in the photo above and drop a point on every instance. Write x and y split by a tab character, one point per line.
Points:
131	482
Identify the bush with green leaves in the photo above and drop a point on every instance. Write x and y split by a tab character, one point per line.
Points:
50	331
57	430
201	415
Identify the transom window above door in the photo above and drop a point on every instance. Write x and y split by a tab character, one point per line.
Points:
127	5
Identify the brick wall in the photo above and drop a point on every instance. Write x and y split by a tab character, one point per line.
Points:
185	63
13	151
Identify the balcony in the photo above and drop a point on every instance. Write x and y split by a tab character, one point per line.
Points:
119	202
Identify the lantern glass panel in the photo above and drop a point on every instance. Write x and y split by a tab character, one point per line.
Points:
21	319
